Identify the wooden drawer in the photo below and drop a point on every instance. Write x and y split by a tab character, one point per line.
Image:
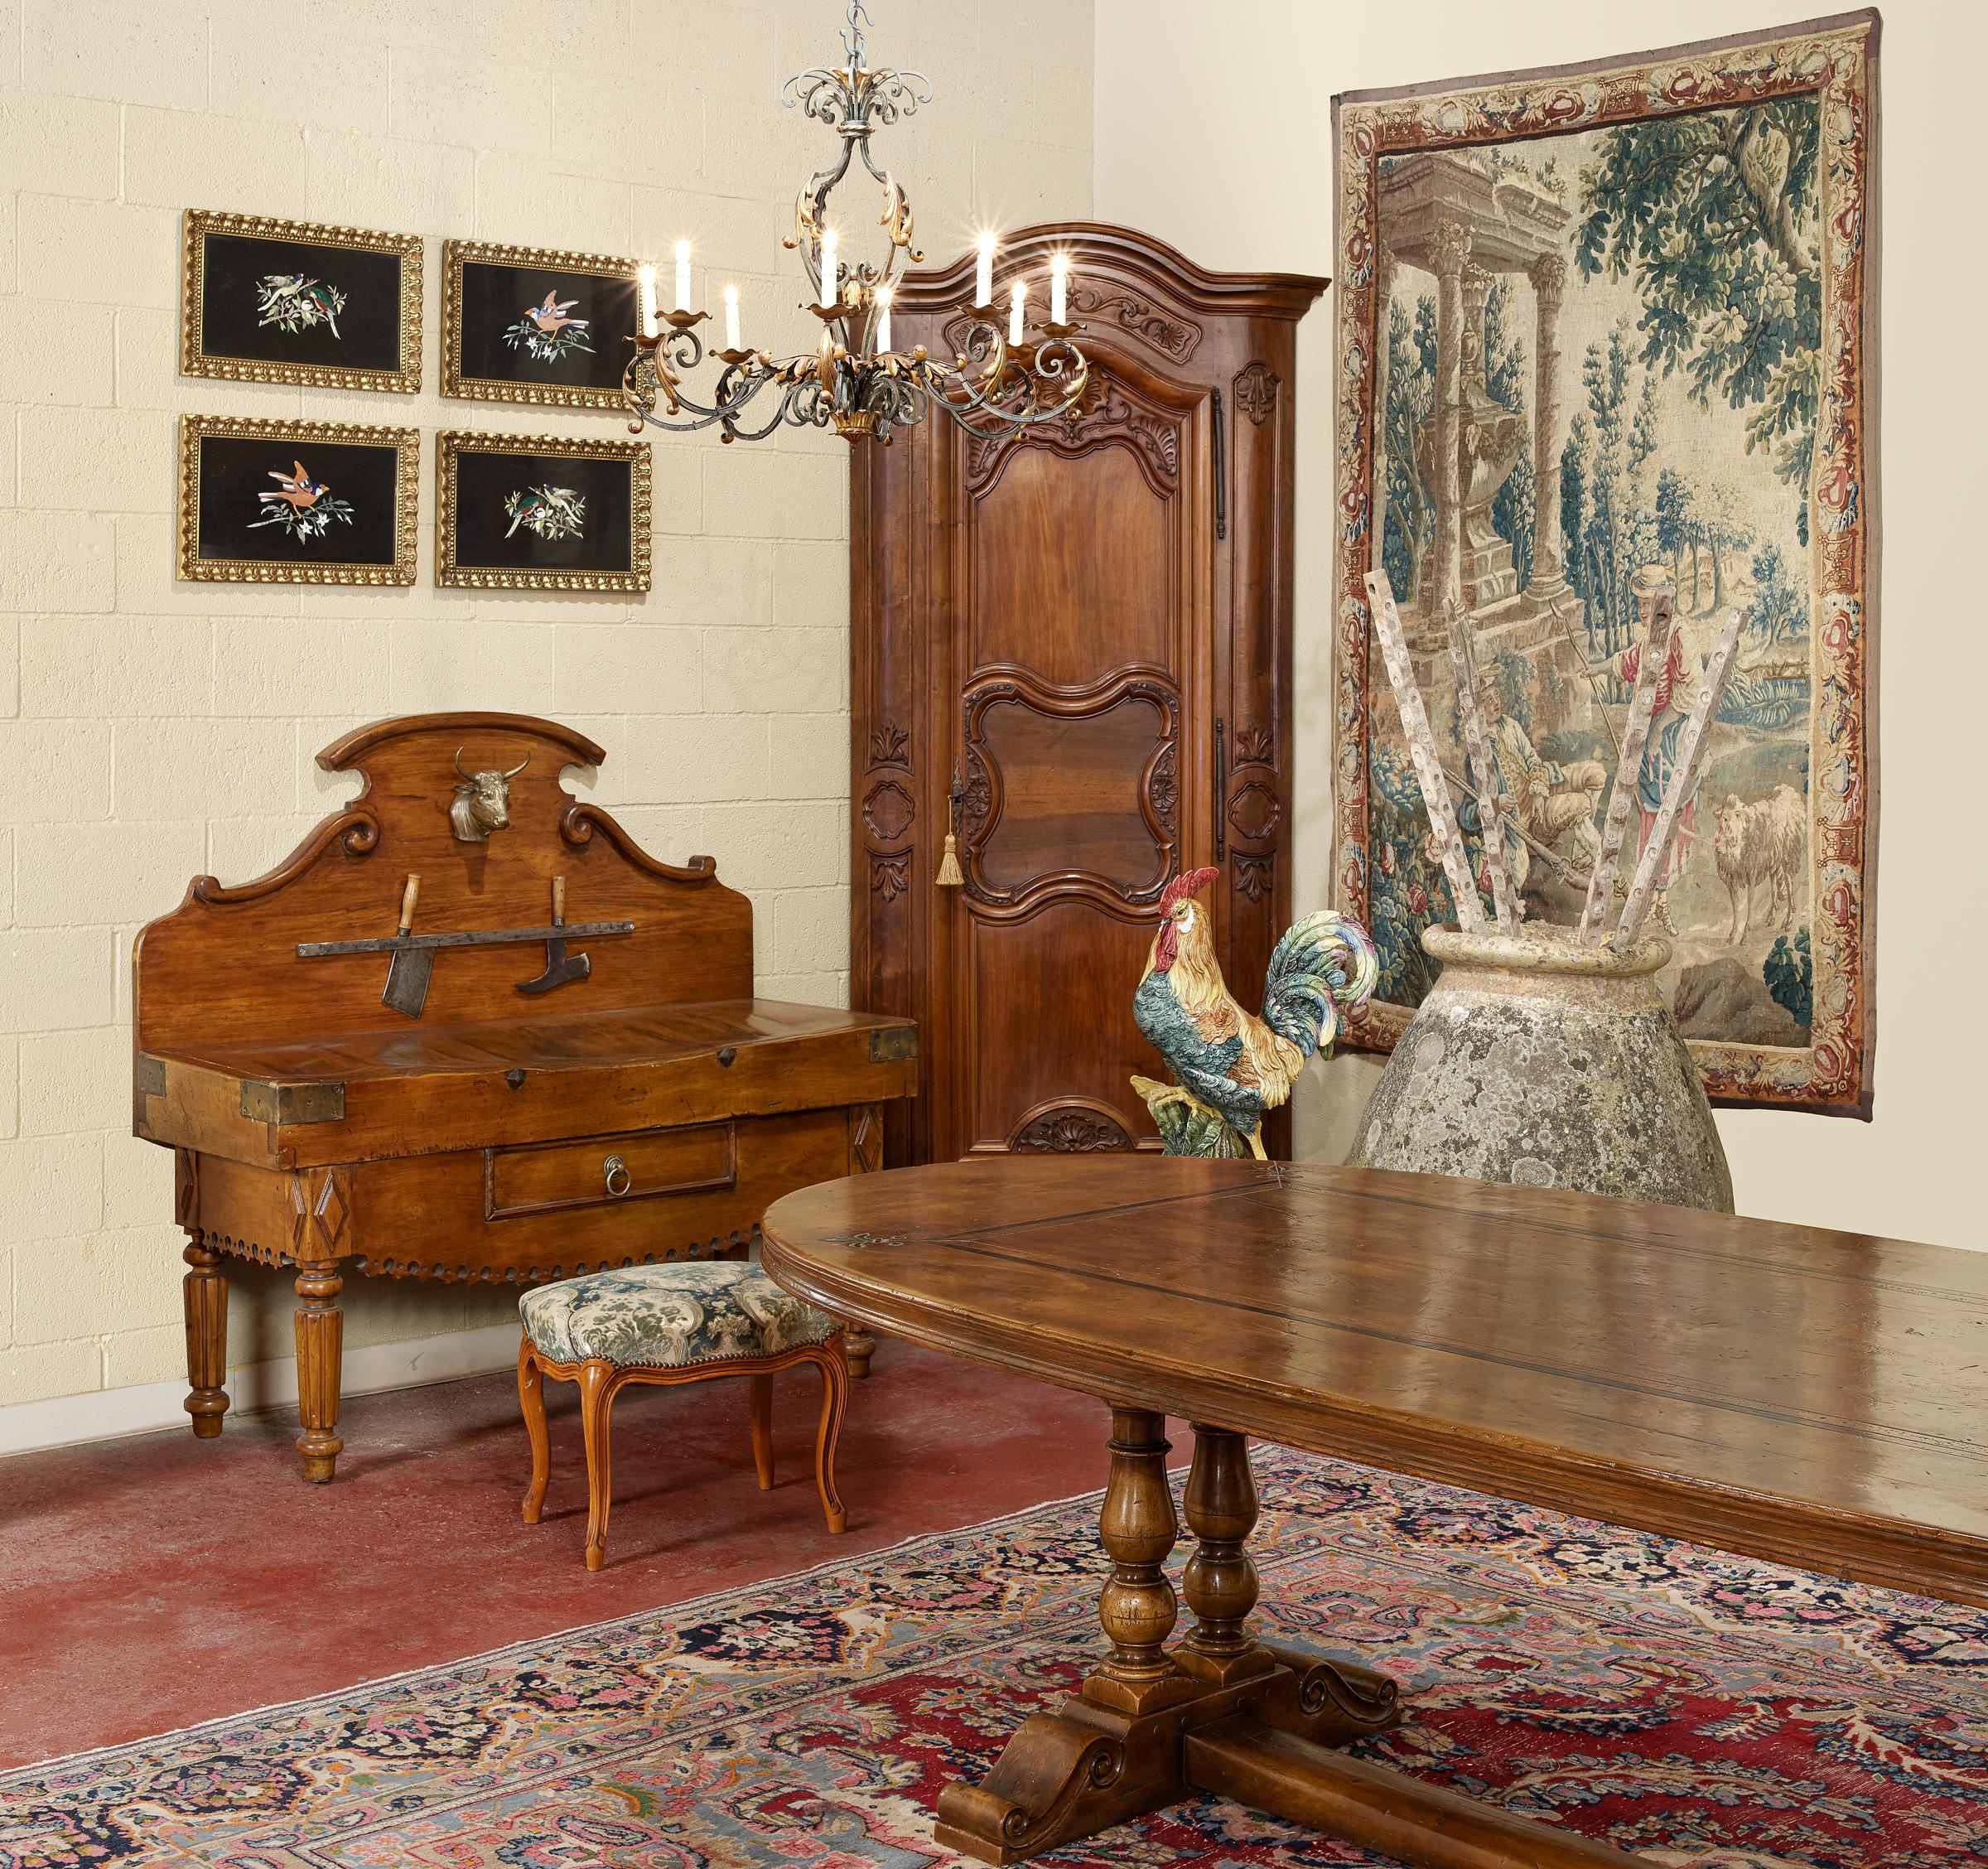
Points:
607	1170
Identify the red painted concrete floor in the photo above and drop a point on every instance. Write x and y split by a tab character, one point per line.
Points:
154	1583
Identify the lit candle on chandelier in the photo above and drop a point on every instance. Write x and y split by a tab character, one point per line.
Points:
732	318
831	267
646	299
1059	279
983	271
683	275
883	319
1017	299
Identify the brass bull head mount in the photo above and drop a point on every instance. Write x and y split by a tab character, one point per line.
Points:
483	801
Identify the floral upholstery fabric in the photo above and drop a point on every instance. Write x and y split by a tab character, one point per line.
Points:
666	1316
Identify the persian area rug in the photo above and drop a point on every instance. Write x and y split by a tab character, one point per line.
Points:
1697	1707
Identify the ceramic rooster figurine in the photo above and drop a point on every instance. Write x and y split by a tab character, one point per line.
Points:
1231	1065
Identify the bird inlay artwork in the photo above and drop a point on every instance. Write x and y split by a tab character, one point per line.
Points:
294	303
303	507
549	511
549	331
1232	1066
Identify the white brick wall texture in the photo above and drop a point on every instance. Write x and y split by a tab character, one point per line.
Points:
151	730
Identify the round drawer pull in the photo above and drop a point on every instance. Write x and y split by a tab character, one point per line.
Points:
615	1172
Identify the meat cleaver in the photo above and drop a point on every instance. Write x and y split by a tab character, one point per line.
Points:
407	989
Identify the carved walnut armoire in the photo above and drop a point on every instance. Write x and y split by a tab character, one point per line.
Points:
1089	624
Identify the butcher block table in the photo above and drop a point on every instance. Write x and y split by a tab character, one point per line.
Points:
1815	1398
515	1047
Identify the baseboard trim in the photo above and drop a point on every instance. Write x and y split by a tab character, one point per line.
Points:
109	1414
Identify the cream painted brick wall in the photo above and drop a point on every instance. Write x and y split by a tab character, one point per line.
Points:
151	729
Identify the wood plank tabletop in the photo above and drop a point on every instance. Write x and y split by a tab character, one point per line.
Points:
1809	1396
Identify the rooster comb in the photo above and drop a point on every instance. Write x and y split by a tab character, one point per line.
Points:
1189	882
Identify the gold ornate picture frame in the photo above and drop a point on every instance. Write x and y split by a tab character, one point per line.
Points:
535	325
265	301
541	513
268	502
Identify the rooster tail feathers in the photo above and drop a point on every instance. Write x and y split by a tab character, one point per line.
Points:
1323	972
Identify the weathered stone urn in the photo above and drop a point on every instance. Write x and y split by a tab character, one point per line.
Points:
1536	1059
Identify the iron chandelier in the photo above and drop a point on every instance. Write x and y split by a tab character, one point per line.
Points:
998	382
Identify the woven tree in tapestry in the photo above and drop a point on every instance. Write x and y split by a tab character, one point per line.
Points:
1594	320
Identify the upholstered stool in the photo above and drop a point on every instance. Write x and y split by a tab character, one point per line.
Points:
680	1323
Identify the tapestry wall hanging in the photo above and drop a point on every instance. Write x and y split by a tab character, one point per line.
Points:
1593	319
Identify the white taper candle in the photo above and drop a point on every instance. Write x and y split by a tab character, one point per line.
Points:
1017	299
983	271
831	293
732	318
645	299
683	275
1059	279
883	319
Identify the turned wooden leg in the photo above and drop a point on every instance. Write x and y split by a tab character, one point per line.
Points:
858	1347
1220	1580
759	1393
531	1400
835	1398
1138	1606
321	1327
597	1388
205	1291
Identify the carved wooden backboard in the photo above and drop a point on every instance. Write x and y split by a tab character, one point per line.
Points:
225	965
1090	623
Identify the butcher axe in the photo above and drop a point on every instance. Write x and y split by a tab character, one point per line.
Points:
407	989
560	967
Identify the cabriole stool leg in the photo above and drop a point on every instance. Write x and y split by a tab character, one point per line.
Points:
835	1399
596	1406
531	1400
759	1391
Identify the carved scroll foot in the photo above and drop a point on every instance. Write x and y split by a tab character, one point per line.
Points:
1064	1775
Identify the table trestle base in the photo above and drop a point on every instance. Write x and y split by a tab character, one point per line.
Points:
1221	1713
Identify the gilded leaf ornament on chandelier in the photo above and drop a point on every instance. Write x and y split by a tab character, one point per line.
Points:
1001	380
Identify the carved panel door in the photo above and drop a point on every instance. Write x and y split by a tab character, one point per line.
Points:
1053	617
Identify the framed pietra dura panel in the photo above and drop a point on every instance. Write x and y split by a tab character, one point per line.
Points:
525	325
541	513
292	302
297	502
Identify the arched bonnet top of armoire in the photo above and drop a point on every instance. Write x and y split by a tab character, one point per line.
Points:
1106	262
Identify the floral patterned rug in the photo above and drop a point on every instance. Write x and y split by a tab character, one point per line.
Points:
1697	1707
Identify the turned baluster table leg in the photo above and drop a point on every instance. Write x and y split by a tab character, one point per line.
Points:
205	1291
319	1350
1220	1583
1138	1606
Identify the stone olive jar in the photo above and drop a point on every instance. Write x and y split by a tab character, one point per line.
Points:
1539	1059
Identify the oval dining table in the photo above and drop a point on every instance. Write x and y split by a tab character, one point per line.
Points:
1815	1398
